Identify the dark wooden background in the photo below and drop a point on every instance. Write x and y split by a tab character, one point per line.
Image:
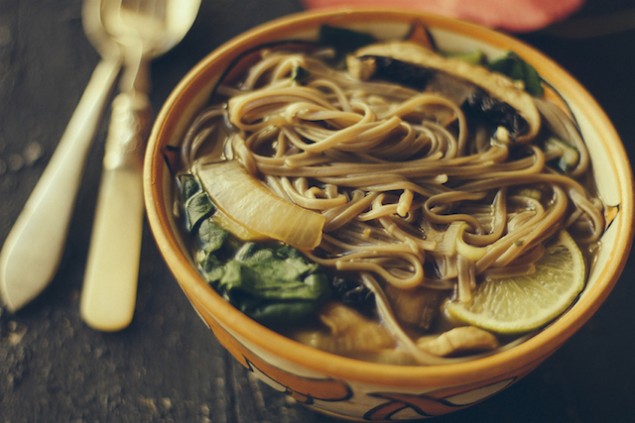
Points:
166	367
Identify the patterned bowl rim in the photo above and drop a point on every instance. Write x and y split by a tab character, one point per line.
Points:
528	353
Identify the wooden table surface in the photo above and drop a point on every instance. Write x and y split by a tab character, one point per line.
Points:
166	367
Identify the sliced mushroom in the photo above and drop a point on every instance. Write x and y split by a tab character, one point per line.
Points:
417	306
346	332
458	341
491	95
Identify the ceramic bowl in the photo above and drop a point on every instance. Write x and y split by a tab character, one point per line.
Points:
344	387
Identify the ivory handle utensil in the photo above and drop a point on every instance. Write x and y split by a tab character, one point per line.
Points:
32	252
110	282
143	29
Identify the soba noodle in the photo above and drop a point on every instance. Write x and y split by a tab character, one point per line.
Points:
404	178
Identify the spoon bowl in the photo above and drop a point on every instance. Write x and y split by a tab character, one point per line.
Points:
158	24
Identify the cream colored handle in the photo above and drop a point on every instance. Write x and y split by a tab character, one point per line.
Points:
110	282
33	249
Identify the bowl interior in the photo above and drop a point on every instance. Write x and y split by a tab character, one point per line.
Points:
611	171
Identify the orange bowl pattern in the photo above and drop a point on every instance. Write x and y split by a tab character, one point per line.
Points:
344	387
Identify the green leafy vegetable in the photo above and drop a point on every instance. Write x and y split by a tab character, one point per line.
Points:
187	185
197	208
211	236
272	283
475	57
196	203
517	69
299	74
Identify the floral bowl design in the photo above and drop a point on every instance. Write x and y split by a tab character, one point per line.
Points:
357	390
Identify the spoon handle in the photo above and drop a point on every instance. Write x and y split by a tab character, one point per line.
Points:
110	282
33	249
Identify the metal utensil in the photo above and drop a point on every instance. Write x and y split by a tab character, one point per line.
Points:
143	29
33	249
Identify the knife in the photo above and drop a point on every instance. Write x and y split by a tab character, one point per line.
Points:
33	249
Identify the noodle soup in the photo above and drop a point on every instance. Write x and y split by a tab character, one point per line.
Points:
222	217
387	200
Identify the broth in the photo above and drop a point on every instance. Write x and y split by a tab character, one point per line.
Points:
348	206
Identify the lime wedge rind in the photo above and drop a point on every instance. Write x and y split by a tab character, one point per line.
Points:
526	303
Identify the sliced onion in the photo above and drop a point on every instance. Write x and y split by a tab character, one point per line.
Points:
251	204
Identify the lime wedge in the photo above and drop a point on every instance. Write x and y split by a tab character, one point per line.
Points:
524	303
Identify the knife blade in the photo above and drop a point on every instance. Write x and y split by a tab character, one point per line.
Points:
32	251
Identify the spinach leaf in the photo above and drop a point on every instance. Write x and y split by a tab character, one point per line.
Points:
272	283
211	236
187	185
197	208
517	69
300	74
196	203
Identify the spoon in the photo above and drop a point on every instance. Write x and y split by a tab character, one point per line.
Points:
33	249
142	29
